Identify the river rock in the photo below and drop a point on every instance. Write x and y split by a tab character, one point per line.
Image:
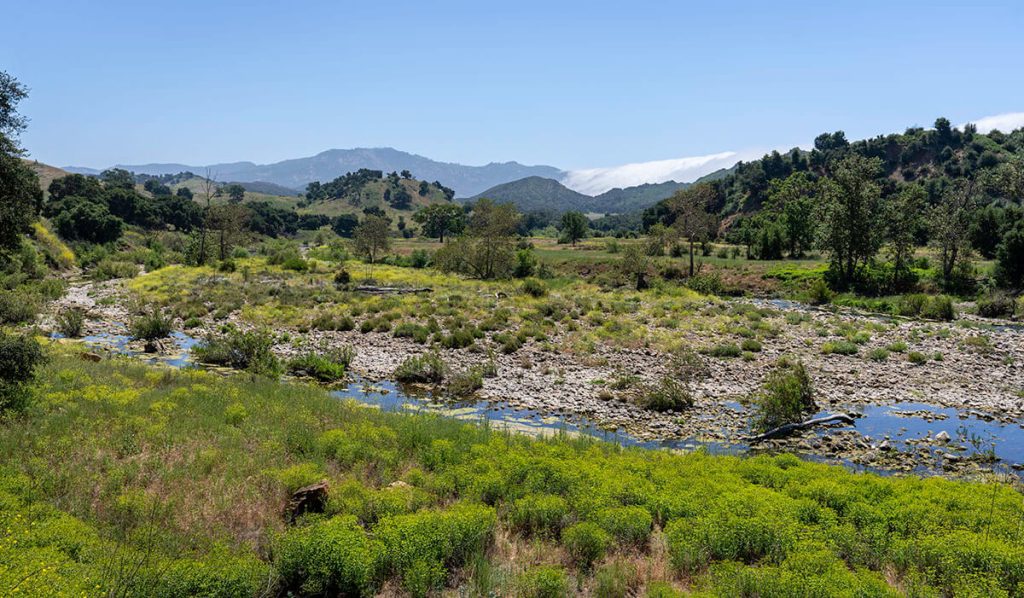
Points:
942	437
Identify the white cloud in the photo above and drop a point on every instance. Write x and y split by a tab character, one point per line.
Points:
1006	123
594	181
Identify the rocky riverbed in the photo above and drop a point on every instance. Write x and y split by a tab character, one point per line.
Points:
972	367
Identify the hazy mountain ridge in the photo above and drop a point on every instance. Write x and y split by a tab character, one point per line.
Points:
296	173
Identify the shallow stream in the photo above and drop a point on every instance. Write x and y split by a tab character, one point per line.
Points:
909	427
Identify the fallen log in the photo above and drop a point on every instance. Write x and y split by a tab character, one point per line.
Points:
375	290
788	429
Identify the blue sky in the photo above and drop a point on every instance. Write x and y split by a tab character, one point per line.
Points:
571	84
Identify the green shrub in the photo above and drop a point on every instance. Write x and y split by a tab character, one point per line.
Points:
917	358
70	322
897	347
615	580
325	366
215	576
997	304
295	263
706	284
416	332
251	351
328	558
459	338
466	382
786	396
586	543
235	414
428	368
751	345
545	581
668	395
724	350
20	357
17	307
842	347
628	525
911	305
539	515
940	307
152	325
693	543
534	287
433	541
108	269
298	476
819	293
878	354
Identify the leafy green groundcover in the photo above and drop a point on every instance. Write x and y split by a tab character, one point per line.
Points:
133	480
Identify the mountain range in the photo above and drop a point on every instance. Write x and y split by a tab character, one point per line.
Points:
325	166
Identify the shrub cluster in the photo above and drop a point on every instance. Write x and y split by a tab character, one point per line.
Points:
787	395
250	350
428	368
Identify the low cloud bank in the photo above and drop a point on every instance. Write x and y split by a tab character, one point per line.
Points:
594	181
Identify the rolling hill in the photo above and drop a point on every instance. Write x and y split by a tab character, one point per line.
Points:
542	194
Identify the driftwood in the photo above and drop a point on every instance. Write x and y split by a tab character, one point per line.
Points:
788	429
375	290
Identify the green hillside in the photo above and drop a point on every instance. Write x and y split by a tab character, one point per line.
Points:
932	158
536	193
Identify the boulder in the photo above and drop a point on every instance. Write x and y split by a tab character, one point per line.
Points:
309	499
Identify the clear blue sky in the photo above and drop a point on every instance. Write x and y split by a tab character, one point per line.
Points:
572	84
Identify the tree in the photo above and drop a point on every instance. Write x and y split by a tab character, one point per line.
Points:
424	188
487	250
405	174
184	192
20	358
87	220
574	226
850	216
77	185
1010	256
986	227
12	92
692	220
20	198
904	219
634	265
950	223
118	178
400	199
345	225
210	189
372	238
439	220
229	221
20	195
236	193
155	187
792	202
